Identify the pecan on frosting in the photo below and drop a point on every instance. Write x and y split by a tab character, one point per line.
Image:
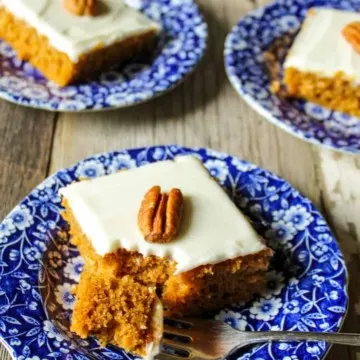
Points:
82	7
160	215
351	33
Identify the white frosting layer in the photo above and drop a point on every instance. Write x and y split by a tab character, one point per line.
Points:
76	35
212	228
157	328
321	48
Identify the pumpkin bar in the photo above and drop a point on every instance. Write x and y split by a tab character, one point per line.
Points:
161	236
323	64
71	40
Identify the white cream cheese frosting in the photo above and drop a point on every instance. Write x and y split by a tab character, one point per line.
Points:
77	35
321	48
157	329
212	229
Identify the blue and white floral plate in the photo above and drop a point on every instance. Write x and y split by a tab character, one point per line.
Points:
306	287
246	67
180	47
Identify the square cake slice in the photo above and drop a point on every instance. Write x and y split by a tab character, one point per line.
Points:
323	64
164	233
71	40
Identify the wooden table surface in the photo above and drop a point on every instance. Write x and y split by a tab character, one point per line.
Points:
203	111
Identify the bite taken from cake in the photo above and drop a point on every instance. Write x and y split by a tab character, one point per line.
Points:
164	236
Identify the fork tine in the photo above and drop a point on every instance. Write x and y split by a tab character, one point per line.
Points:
165	356
193	323
180	321
176	345
176	331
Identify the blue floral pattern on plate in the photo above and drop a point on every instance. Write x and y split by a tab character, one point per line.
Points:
180	47
306	286
245	66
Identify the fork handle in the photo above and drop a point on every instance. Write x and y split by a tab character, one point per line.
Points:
333	338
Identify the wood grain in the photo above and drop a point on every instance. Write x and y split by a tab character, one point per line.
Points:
25	149
340	178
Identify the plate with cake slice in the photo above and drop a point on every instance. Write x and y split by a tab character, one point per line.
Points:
81	55
95	257
298	64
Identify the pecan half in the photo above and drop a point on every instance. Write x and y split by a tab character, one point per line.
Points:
351	33
160	215
82	7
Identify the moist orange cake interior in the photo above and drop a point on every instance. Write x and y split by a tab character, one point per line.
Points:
117	292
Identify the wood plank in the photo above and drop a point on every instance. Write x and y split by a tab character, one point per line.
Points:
4	354
25	145
340	179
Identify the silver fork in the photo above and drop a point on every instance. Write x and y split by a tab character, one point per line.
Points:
212	340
